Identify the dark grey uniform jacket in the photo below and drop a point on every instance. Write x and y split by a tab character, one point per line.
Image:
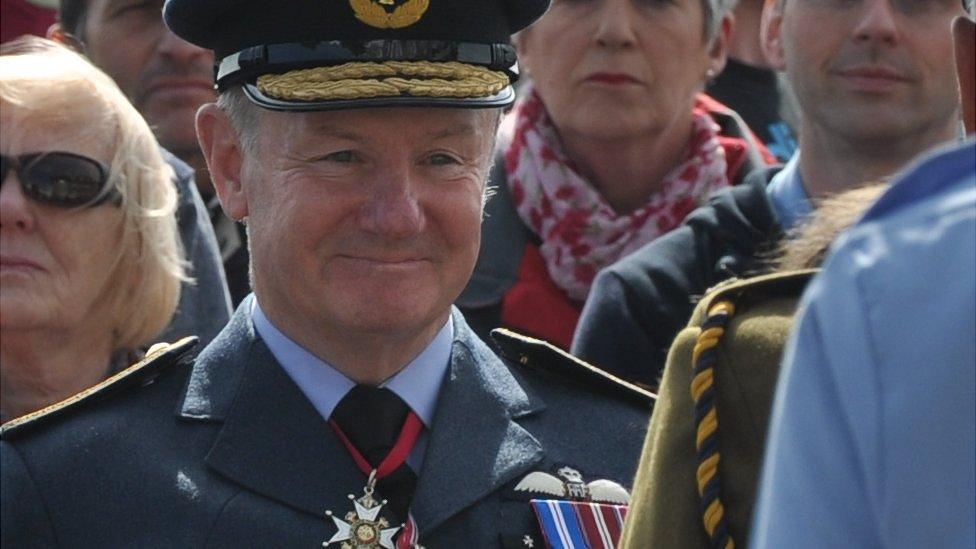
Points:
225	451
204	306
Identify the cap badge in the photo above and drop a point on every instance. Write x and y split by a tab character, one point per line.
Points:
385	14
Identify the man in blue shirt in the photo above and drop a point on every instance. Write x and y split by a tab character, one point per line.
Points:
873	437
875	86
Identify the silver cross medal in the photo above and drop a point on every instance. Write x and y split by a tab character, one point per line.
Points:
361	529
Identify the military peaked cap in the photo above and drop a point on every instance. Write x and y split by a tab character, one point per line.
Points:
330	54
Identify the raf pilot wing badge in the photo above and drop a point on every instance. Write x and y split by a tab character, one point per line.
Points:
573	513
571	486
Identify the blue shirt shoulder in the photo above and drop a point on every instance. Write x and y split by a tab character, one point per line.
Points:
874	408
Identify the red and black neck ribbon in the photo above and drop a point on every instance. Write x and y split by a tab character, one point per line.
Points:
380	431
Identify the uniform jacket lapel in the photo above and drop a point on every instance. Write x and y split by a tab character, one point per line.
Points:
272	441
476	444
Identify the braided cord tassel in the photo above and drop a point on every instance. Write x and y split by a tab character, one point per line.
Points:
706	423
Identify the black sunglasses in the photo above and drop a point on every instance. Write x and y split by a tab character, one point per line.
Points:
60	178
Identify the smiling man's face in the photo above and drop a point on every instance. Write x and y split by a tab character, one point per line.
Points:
366	220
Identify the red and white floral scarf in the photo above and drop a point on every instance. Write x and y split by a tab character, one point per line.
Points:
580	232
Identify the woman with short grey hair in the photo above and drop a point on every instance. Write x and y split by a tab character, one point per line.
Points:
611	145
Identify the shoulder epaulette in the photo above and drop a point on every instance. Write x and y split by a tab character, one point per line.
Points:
159	357
786	282
540	355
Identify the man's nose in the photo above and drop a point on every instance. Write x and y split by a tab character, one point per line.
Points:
15	210
876	22
393	210
178	49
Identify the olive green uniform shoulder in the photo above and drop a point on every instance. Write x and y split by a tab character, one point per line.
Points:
160	357
744	291
697	479
539	355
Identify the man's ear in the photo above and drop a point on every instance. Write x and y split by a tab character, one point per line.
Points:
771	34
718	52
58	34
964	31
222	149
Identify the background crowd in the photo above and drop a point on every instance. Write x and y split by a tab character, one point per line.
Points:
661	198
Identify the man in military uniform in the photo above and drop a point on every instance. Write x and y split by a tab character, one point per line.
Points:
346	403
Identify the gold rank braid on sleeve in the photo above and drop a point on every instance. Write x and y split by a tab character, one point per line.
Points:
387	79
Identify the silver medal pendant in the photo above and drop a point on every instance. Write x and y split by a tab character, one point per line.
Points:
361	528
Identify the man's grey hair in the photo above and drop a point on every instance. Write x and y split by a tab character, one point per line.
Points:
243	115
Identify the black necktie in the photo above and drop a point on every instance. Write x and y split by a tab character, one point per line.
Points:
372	418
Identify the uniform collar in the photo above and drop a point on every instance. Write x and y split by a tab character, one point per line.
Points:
477	442
788	195
418	383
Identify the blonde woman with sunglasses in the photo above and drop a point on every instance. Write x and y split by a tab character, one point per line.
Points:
90	260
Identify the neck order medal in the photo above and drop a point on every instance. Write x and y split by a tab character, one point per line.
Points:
361	528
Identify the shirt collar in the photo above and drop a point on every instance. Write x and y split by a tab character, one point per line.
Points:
418	383
788	195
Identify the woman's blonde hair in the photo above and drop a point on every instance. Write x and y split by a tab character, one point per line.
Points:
47	82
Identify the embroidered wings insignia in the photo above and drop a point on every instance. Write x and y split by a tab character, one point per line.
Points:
543	483
572	486
608	491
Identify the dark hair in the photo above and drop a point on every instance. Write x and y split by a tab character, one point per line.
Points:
71	15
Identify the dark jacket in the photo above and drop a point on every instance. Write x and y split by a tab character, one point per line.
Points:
637	305
204	305
232	242
226	451
511	287
761	96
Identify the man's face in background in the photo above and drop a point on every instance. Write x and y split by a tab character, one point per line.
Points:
874	71
165	77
